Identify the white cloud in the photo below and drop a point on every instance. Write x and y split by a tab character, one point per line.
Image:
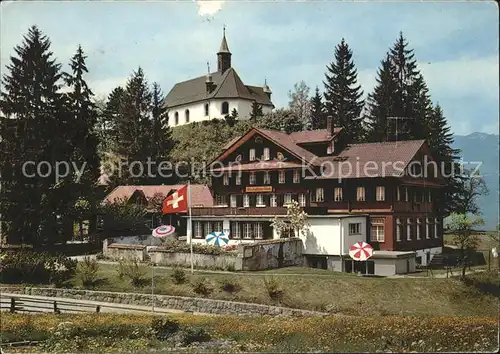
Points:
102	88
209	7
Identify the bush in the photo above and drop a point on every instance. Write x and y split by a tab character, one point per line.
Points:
86	272
194	334
274	289
484	282
201	287
230	285
133	270
164	328
35	267
178	276
174	246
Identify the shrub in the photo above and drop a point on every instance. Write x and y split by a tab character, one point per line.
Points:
230	285
86	271
133	270
194	334
174	246
274	289
201	287
100	256
35	267
164	328
178	276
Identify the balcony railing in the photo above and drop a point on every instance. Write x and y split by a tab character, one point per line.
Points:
222	211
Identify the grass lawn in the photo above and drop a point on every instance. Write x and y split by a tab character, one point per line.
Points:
100	333
320	290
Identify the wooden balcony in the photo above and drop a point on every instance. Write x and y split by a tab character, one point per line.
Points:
228	211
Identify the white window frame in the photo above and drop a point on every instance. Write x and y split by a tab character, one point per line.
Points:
258	230
380	194
238	179
246	201
251	155
302	199
267	155
399	229
225	179
378	224
296	176
398	194
338	194
260	201
407	197
247	231
427	228
419	223
220	200
319	195
267	177
436	223
354	228
209	228
218	226
429	196
233	200
273	201
409	225
287	199
281	177
235	230
197	230
360	194
252	179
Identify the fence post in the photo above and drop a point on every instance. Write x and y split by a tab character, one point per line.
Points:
56	310
489	260
12	305
98	309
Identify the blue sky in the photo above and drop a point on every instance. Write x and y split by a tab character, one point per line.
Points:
455	43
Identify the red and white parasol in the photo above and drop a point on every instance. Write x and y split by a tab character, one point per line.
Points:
163	231
360	251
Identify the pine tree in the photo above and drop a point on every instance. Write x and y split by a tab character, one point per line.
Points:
256	112
107	132
38	130
231	118
343	94
318	115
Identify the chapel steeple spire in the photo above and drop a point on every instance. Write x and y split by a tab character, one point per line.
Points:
224	55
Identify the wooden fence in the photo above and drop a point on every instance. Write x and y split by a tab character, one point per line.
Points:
16	304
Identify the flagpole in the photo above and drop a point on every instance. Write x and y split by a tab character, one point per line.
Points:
190	222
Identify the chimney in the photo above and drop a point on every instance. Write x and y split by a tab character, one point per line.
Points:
329	126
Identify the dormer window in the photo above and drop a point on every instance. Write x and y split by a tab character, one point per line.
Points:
252	155
267	155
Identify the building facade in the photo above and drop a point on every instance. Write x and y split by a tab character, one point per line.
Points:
215	94
383	183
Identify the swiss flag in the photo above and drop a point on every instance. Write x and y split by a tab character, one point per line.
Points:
177	202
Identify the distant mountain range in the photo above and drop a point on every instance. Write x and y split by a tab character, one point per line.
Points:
484	148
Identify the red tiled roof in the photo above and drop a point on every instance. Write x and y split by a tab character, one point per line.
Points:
200	194
259	165
385	159
313	136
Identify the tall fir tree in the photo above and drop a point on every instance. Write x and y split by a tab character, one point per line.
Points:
83	205
318	114
256	112
107	130
343	94
38	128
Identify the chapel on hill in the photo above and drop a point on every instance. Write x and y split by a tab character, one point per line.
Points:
215	94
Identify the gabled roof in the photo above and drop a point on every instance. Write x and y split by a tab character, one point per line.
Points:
200	194
313	136
227	85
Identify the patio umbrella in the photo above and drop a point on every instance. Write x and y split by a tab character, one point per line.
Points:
163	231
217	239
360	251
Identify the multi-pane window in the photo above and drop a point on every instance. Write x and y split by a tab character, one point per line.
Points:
233	201
235	229
260	200
252	178
360	194
319	195
419	225
267	155
252	155
237	179
247	230
246	200
428	222
337	194
296	176
217	226
273	200
258	230
220	200
355	228
436	223
288	199
208	228
399	229
225	179
409	226
198	233
380	193
377	229
267	177
302	200
281	177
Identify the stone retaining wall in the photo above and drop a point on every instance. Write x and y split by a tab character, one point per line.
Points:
116	251
201	305
221	261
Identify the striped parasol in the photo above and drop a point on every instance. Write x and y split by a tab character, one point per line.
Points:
217	239
360	251
163	231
